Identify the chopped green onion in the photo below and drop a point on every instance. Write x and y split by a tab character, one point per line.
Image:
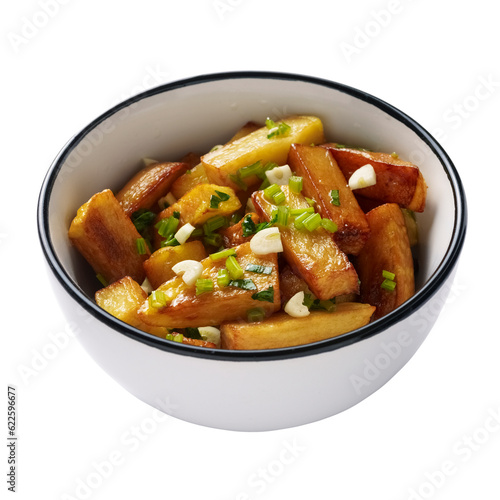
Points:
312	222
197	232
142	219
265	184
334	193
259	269
329	225
237	180
257	314
310	201
327	305
234	269
299	211
204	285
102	279
394	155
223	254
295	183
249	170
388	275
157	299
268	166
279	198
214	223
276	129
140	245
248	226
192	333
264	295
213	239
299	221
244	284
223	196
388	285
171	242
176	214
167	227
223	278
175	337
271	191
214	201
282	215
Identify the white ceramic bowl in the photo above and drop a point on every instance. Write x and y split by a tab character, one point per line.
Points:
247	390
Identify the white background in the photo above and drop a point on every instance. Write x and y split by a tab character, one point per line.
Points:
430	432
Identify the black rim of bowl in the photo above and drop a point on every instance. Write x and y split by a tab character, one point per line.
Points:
425	293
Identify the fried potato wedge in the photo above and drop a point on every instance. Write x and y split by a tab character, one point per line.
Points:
387	249
232	236
224	303
107	238
159	266
194	206
122	299
146	187
398	181
281	330
189	180
312	255
224	163
321	175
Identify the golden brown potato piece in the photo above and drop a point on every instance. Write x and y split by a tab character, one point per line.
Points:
281	330
122	299
226	303
321	175
222	164
106	237
313	255
232	236
398	181
149	185
189	180
194	206
159	266
387	249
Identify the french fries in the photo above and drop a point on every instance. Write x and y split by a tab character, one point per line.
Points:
398	181
107	238
312	254
321	177
340	258
281	330
386	251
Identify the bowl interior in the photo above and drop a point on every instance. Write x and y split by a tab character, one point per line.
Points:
167	122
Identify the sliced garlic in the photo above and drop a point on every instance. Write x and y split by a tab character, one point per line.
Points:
363	177
295	306
266	241
184	233
279	175
210	334
146	286
190	270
